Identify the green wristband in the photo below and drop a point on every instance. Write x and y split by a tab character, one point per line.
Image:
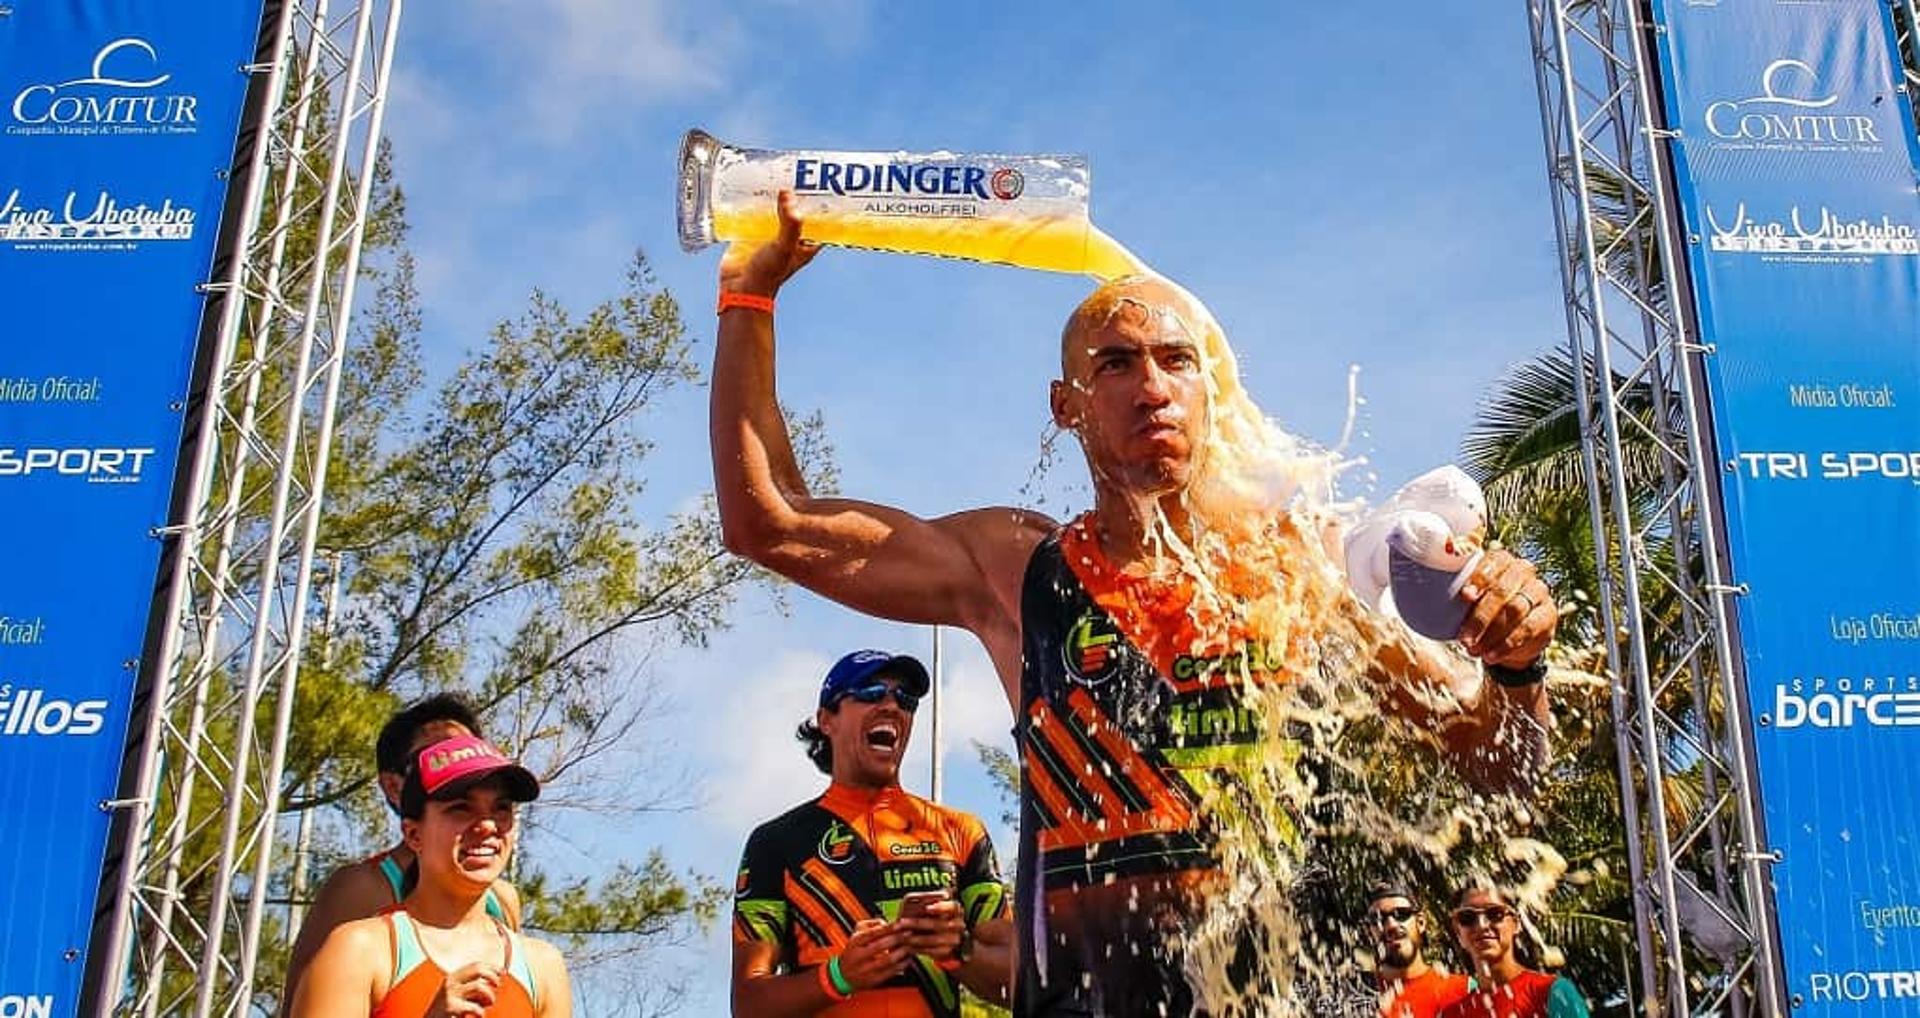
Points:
839	981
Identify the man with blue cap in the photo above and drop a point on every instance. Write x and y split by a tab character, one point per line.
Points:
868	900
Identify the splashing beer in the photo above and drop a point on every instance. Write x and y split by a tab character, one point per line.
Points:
1264	586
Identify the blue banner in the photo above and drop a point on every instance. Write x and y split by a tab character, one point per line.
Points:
118	121
1796	166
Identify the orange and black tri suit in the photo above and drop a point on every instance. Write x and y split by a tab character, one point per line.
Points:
1132	713
811	875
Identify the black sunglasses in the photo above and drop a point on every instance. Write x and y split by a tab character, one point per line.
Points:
877	692
1471	918
1398	915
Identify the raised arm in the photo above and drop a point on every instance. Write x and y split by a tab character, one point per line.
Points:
959	570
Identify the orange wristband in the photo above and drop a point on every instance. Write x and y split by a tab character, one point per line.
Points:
750	301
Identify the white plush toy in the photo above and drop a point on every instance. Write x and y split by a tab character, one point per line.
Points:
1411	557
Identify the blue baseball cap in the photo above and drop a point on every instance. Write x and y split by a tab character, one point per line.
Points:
861	667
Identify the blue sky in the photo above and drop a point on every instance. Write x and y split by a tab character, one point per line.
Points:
1340	185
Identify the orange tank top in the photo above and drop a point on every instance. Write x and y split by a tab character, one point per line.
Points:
417	979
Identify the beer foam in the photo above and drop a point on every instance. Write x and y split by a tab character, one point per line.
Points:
1334	789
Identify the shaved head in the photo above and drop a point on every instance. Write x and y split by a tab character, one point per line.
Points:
1131	386
1138	298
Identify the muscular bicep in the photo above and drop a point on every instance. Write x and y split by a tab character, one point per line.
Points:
955	570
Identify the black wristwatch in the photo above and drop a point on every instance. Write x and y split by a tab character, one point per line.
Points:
964	950
1518	678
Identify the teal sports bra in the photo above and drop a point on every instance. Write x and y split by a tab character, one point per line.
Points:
397	878
409	955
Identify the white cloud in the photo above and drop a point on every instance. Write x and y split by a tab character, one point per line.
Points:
754	769
641	43
973	707
576	61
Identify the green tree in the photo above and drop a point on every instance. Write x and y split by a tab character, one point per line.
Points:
484	539
482	535
1524	447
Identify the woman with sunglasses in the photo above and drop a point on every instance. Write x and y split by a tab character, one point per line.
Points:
1487	927
438	952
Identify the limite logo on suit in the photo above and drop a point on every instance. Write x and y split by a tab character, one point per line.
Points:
836	845
1088	648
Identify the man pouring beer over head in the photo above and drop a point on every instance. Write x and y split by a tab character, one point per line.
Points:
1099	629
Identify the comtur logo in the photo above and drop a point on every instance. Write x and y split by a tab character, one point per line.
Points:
120	94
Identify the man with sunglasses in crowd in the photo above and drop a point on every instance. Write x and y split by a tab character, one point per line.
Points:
868	900
1408	985
1487	926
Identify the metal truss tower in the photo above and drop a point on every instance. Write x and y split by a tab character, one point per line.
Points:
1906	25
1698	863
190	877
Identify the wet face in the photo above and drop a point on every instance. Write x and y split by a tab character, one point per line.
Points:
1399	931
869	739
466	840
1132	387
429	733
1485	926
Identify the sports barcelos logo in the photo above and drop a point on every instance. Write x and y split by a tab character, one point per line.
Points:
1007	183
1088	650
836	846
33	712
742	882
121	94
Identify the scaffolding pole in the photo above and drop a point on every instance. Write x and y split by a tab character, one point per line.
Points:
1699	871
194	847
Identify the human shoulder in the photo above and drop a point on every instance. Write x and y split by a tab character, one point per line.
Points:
801	818
509	898
361	933
356	949
1564	1000
999	538
542	956
964	828
354	891
352	968
549	967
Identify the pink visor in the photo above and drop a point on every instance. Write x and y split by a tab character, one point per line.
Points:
449	767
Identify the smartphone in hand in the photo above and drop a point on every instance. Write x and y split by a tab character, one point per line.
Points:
915	905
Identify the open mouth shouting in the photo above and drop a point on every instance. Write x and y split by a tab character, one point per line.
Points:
883	737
